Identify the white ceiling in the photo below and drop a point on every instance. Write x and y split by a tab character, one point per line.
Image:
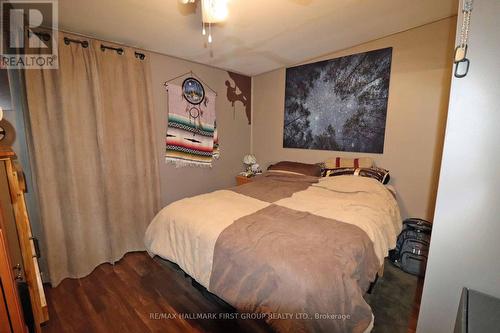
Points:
259	35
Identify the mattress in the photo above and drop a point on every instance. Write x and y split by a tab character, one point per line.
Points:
285	244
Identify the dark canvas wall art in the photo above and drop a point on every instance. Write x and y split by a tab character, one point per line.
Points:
338	104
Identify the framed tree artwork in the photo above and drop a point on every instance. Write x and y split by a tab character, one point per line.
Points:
338	104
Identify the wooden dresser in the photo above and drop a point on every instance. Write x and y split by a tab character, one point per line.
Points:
19	257
240	179
11	312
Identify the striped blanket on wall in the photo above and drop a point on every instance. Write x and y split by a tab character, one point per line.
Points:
191	133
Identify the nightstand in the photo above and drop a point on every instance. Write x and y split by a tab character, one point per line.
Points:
240	180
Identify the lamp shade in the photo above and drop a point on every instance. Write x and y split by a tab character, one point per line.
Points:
249	159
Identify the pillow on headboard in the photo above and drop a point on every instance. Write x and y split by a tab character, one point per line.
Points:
382	175
297	167
344	162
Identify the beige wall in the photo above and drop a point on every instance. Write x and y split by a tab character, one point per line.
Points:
418	100
233	129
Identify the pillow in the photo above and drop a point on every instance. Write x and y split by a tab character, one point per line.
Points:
297	167
343	162
382	175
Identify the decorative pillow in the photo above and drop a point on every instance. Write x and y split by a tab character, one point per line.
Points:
382	175
327	172
343	162
297	167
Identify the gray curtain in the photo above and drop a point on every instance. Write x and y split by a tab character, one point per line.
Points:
94	157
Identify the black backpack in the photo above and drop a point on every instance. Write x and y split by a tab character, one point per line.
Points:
412	247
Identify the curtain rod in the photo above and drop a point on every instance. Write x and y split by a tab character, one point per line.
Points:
192	74
118	50
121	51
85	44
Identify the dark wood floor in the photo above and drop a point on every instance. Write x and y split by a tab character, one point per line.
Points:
126	297
139	294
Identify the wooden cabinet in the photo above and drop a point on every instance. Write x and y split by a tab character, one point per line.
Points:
19	242
11	315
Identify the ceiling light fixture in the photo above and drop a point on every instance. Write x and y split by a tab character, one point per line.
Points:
212	11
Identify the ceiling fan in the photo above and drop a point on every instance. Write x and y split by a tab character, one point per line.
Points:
212	11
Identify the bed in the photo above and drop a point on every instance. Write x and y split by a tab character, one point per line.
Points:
302	250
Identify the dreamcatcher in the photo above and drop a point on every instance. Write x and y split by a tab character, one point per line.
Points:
194	93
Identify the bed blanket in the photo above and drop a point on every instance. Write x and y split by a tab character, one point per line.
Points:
299	249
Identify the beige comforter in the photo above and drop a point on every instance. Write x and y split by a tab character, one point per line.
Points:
323	243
